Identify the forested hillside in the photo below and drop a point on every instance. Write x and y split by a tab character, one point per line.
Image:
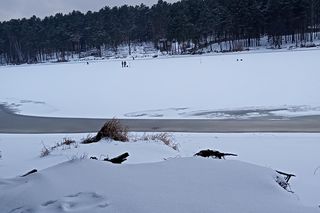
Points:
192	24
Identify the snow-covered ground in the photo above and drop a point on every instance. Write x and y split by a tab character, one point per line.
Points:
279	83
157	176
178	185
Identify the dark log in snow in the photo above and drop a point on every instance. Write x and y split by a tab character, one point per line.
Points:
287	175
29	173
213	153
119	159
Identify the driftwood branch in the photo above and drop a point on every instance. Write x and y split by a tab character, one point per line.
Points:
29	173
119	159
287	175
213	153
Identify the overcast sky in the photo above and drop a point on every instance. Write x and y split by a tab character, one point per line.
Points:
12	9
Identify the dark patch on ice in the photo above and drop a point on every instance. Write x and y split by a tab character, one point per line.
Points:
13	210
74	195
179	109
2	182
154	113
10	108
104	205
13	108
241	112
32	102
21	210
245	113
49	202
136	115
269	113
95	195
219	114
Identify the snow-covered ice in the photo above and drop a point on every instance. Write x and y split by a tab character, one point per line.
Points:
168	87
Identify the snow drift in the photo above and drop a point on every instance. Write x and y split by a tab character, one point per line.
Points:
176	185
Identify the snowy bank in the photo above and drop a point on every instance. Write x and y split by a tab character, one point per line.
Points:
292	153
176	185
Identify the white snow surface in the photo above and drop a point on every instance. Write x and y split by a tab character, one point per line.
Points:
178	185
157	178
168	87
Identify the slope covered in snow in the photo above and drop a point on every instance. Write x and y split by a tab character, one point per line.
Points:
293	153
176	185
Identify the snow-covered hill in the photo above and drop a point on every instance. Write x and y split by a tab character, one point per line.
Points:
293	153
176	185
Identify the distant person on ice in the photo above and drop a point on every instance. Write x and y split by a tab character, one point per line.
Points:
122	64
125	64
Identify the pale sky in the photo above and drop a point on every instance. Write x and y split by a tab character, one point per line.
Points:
12	9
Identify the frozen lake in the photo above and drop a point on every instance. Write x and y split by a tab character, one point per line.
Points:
256	84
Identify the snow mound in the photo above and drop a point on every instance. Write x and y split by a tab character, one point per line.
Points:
176	185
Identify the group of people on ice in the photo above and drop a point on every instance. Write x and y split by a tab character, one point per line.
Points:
124	64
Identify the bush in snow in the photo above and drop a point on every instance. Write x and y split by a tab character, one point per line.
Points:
44	152
111	130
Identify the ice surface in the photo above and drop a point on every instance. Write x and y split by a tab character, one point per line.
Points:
174	87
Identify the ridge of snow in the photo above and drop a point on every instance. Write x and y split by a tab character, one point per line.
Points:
176	185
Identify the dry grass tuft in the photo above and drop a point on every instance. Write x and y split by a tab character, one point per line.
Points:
163	137
44	152
113	130
66	143
79	157
89	139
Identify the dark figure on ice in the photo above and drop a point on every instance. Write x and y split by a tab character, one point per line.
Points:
125	64
122	64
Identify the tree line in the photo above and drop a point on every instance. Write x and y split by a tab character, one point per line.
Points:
200	22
